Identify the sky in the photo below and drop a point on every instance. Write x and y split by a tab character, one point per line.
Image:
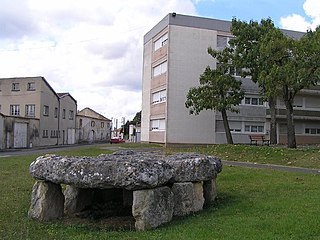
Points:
93	49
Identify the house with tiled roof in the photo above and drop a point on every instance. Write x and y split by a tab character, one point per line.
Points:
92	126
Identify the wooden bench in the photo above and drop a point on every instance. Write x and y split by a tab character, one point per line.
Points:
254	139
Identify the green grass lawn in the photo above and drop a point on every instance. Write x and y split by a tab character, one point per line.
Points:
251	204
308	157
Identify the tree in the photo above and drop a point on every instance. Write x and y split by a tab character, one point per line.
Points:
282	66
247	56
137	118
218	90
125	129
293	65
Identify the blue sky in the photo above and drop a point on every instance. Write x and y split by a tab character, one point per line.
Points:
93	49
250	9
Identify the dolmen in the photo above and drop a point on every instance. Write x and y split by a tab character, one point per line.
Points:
149	186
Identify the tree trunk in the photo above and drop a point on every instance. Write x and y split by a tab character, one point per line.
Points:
273	123
291	135
226	126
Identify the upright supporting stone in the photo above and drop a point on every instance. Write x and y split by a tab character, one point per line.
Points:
183	198
198	198
76	199
209	191
152	207
47	201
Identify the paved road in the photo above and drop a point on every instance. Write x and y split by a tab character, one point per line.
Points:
52	149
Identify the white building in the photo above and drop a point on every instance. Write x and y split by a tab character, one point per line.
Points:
175	55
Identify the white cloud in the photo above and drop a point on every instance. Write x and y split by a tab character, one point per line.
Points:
295	22
93	49
312	8
300	23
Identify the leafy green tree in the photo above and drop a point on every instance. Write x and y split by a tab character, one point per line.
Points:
218	90
125	129
137	118
247	56
282	66
292	65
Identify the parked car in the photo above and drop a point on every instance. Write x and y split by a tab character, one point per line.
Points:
117	140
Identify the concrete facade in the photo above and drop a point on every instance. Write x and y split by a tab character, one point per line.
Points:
2	138
67	119
92	126
33	113
175	55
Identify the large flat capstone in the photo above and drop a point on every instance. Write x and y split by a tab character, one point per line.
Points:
125	169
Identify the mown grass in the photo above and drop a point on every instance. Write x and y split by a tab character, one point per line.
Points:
308	157
251	204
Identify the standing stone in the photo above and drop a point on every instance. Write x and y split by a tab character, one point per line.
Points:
152	207
76	199
47	201
209	191
183	198
198	198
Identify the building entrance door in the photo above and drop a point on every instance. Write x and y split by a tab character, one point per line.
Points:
20	135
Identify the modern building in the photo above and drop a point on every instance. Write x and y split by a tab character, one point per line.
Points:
35	115
92	126
2	139
175	54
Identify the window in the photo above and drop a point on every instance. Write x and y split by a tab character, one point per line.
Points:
102	124
80	122
235	130
31	86
254	128
71	115
159	97
298	102
15	87
160	69
30	110
312	131
223	41
54	134
45	133
63	113
233	71
161	42
56	112
93	123
45	110
15	110
158	125
253	101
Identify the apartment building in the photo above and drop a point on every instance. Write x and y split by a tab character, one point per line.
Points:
2	139
175	54
92	126
35	115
